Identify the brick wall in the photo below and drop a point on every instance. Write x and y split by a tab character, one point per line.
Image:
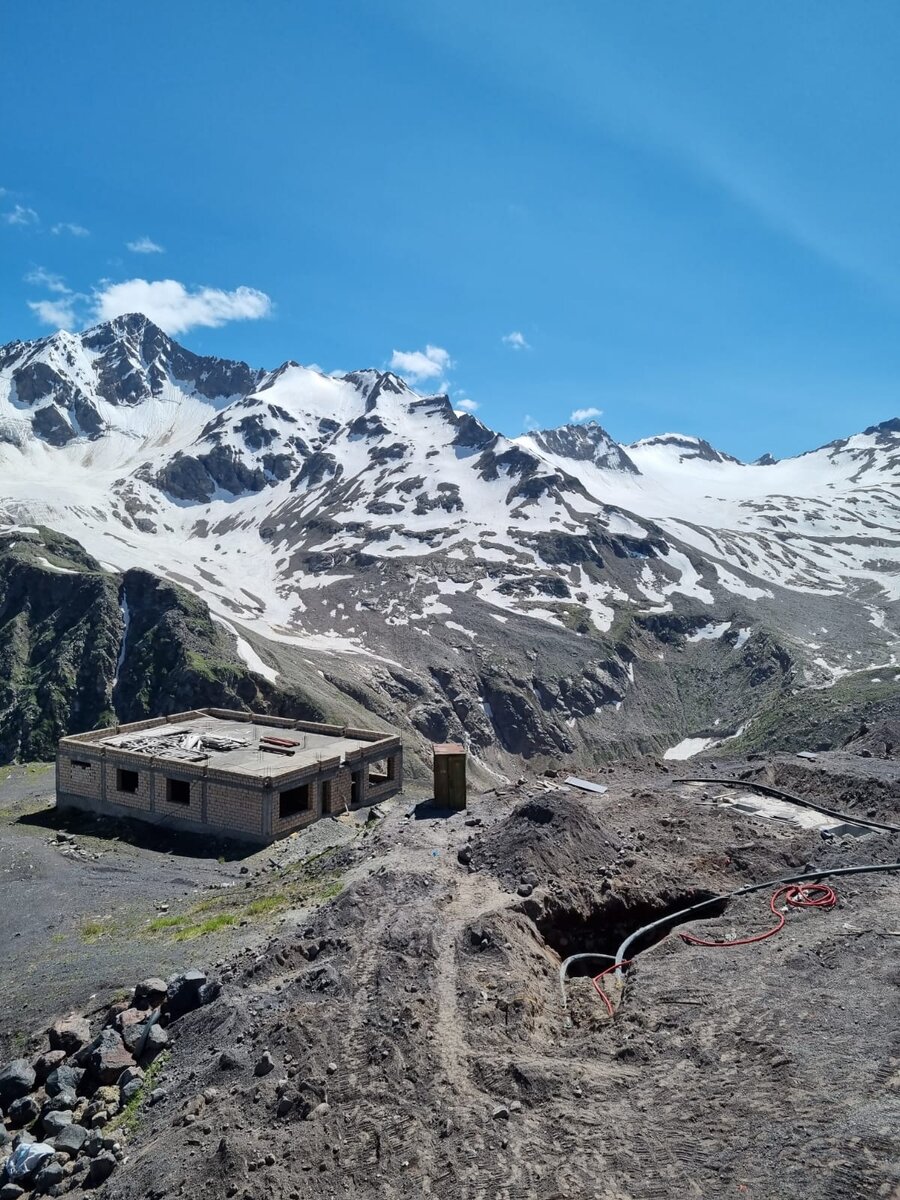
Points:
283	825
340	792
78	780
162	804
143	797
230	807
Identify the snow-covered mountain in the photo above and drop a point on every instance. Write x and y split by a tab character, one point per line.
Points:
535	595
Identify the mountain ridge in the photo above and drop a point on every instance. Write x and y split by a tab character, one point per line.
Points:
546	594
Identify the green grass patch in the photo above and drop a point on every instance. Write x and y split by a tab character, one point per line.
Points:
94	929
127	1120
266	904
160	923
187	933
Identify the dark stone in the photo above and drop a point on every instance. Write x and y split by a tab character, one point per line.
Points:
209	991
64	1079
183	994
48	1176
150	993
23	1111
145	1041
129	1090
229	1061
157	1039
11	1191
60	1102
16	1079
102	1166
70	1139
55	1122
265	1064
45	1063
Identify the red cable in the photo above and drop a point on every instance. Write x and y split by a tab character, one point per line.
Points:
599	990
796	895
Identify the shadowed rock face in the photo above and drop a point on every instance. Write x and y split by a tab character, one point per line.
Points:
68	663
586	443
131	360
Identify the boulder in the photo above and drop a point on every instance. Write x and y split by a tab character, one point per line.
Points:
11	1191
60	1102
48	1176
110	1057
150	993
23	1111
265	1064
16	1079
131	1016
45	1063
209	991
146	1040
70	1139
157	1040
69	1034
129	1090
55	1122
183	994
102	1166
63	1079
130	1075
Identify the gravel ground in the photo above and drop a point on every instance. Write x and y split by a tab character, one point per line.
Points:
75	915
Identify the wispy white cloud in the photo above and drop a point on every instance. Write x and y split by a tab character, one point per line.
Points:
515	340
40	277
145	245
467	405
71	228
61	314
20	215
586	414
530	424
176	308
418	365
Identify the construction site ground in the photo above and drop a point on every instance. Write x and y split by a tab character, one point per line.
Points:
403	973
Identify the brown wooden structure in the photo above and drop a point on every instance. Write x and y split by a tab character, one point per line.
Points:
449	775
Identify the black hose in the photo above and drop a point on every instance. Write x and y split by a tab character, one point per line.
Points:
801	800
821	873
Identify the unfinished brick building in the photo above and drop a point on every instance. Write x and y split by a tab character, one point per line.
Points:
232	774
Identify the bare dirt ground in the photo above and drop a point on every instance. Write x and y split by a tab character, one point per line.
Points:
411	1006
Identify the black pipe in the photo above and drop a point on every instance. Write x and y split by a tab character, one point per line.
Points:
801	800
821	873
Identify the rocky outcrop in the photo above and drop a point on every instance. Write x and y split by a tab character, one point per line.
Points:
68	663
56	1124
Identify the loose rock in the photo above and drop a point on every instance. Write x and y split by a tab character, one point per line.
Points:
69	1034
16	1079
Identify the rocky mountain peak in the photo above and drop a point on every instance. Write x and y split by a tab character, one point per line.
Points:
686	447
587	442
67	380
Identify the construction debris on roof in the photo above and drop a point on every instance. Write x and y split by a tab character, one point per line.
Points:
178	743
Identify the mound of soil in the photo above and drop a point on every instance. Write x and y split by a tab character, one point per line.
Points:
552	837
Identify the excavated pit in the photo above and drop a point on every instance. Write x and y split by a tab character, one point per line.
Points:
598	923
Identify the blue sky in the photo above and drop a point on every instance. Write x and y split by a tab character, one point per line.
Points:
683	215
